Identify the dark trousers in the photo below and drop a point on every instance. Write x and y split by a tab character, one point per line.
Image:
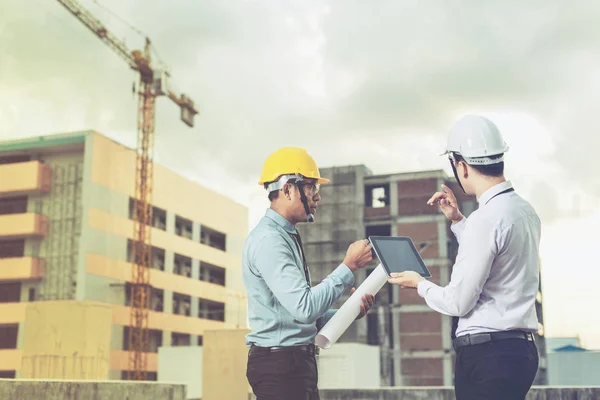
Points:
283	375
502	369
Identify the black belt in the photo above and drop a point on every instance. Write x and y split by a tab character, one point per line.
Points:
480	338
308	348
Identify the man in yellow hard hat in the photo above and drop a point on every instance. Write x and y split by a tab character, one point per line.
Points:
285	312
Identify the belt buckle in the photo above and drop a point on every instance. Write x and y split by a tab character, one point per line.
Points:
531	337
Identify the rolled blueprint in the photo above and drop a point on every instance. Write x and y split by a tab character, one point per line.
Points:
348	312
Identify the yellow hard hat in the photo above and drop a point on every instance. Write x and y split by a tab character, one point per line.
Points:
290	161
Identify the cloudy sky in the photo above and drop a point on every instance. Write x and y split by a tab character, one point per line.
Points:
354	82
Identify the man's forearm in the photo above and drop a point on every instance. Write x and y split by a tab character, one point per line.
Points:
322	321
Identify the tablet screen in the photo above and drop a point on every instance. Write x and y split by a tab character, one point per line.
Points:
398	254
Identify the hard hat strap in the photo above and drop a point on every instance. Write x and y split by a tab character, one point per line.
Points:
300	185
279	183
451	159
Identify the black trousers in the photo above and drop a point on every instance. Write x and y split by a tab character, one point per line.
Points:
283	375
502	370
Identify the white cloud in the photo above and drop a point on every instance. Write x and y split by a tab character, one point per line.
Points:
570	275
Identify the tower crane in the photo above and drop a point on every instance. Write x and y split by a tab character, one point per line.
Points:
152	83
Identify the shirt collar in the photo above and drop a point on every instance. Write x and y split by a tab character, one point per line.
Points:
280	220
494	190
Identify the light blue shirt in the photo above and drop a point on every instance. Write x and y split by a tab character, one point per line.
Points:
283	309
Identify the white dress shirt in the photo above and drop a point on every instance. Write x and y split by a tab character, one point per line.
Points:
495	279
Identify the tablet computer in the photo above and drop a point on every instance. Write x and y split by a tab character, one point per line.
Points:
398	254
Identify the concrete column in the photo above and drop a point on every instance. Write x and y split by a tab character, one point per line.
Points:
168	295
170	222
169	261
168	301
167	338
195	301
395	314
195	231
394	198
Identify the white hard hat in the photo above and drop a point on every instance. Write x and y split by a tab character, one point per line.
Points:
476	139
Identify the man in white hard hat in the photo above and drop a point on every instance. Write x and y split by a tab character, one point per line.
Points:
495	278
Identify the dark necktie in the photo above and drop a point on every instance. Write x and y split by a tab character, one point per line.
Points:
298	242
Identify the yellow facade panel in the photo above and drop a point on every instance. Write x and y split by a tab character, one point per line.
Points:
121	270
17	226
169	322
224	358
113	166
119	361
10	359
66	340
12	313
104	221
21	269
24	178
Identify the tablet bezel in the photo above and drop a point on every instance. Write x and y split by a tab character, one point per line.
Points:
374	239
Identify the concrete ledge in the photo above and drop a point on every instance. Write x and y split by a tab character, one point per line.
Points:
34	389
447	393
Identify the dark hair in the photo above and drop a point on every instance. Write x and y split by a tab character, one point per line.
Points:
486	170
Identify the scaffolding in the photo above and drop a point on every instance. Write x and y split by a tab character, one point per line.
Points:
60	249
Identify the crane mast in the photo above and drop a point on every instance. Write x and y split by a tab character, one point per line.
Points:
152	83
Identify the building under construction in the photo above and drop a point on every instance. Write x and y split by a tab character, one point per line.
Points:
415	341
66	210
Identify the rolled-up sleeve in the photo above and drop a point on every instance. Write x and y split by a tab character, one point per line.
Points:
274	260
471	270
458	228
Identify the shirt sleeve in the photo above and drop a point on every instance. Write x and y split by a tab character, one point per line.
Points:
458	228
472	268
274	260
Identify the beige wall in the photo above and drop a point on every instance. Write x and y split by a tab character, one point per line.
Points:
113	166
66	340
225	356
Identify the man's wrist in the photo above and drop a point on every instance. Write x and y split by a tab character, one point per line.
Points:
456	221
351	266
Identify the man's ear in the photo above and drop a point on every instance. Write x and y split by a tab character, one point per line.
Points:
465	169
287	191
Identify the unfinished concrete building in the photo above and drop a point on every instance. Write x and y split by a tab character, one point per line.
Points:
415	341
65	258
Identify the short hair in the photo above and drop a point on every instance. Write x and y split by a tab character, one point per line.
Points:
494	170
273	195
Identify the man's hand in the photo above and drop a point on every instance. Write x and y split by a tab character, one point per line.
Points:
447	202
408	279
367	302
358	254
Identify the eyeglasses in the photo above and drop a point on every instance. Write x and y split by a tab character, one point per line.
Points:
311	189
